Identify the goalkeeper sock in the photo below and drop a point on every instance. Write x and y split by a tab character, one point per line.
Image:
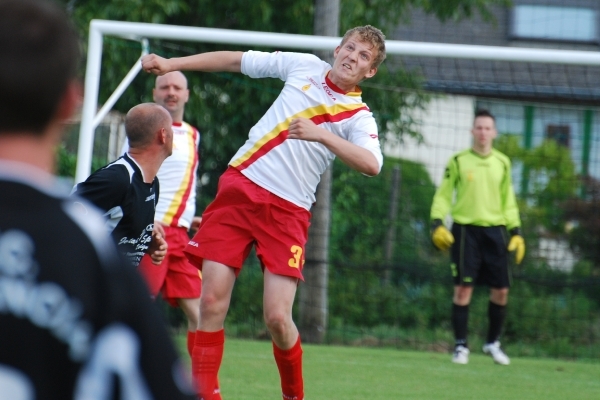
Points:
460	320
289	363
496	315
191	338
206	361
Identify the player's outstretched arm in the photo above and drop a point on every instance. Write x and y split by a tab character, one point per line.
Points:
356	157
216	61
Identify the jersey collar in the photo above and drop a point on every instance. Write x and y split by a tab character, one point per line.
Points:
356	92
480	155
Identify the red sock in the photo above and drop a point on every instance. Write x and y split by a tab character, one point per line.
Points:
191	338
206	360
217	391
289	363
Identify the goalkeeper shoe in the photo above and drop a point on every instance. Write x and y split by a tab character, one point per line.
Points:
461	355
493	349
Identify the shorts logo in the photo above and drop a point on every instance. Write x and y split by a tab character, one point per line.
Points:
192	243
296	261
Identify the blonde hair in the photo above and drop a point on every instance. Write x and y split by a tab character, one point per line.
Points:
372	35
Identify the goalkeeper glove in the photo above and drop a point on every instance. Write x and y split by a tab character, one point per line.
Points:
517	244
440	236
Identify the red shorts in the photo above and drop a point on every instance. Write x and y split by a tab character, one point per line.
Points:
244	214
175	278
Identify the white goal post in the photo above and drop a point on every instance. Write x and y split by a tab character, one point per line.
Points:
90	117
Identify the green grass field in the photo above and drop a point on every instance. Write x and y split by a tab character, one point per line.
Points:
249	372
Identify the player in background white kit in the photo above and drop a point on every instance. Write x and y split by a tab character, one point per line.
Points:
264	198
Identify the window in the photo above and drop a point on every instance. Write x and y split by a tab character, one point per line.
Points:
572	24
559	133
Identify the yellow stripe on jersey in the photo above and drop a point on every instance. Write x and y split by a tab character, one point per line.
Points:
309	113
176	202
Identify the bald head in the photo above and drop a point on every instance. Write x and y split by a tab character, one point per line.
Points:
172	93
143	121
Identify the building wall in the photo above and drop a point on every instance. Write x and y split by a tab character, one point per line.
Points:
502	79
445	128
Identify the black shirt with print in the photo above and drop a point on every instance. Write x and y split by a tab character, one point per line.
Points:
129	203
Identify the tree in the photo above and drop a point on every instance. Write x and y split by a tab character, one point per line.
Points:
552	180
224	106
583	216
313	294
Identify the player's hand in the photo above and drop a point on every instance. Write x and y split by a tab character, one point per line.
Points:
517	244
195	224
154	64
304	129
441	237
158	245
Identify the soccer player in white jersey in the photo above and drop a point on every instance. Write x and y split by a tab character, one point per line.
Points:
265	196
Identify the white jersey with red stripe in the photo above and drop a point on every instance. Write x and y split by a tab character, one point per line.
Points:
177	176
290	168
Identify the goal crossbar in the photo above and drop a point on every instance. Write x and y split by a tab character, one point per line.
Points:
139	31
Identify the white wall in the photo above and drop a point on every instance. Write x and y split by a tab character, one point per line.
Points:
445	126
557	254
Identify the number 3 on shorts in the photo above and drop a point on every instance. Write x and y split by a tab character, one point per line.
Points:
294	262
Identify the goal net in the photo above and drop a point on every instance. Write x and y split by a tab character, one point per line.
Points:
387	285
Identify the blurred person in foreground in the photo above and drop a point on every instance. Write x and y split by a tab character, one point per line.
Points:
477	191
75	320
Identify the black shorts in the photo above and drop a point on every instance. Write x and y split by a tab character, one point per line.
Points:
480	256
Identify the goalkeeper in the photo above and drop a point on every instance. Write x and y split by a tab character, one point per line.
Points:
477	191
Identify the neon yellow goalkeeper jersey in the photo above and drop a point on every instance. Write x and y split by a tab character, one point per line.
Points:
477	190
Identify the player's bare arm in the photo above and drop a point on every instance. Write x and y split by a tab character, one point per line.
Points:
216	61
352	155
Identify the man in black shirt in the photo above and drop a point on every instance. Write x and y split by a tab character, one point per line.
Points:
127	189
75	322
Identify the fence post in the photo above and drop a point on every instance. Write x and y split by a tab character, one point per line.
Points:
390	237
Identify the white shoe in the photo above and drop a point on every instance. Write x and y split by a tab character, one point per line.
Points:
497	354
461	355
